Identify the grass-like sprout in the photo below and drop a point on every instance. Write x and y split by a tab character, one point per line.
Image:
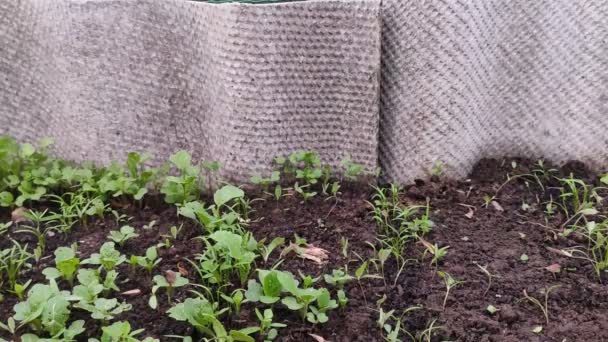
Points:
450	283
544	307
490	276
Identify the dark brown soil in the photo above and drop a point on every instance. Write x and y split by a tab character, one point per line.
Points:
495	236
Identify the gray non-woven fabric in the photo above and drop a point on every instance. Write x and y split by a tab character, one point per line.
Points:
398	83
462	80
235	83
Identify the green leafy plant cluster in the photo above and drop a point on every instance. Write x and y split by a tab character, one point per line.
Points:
76	195
312	304
309	175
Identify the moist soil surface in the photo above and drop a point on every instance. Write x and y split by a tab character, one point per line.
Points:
493	236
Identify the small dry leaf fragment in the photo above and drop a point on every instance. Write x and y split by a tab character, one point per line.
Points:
522	235
17	216
560	252
307	251
497	206
537	329
470	213
133	292
182	270
316	254
170	276
427	245
318	338
119	204
554	268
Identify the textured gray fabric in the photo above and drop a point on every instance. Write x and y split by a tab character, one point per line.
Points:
466	79
240	84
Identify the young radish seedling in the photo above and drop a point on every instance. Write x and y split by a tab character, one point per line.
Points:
236	299
544	307
149	261
268	329
125	233
450	283
169	281
490	276
66	265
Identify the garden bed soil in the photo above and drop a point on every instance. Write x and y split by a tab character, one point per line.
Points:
494	236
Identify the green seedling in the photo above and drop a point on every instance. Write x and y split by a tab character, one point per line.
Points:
66	265
398	225
490	276
121	332
76	207
169	282
362	273
120	217
306	195
487	200
392	332
265	251
300	299
4	227
450	283
221	215
379	259
352	171
203	316
491	309
305	164
344	246
268	329
108	257
10	326
12	262
307	280
437	169
338	278
437	252
236	299
109	283
46	310
328	187
597	247
524	258
427	334
42	225
19	289
543	306
278	192
148	261
104	309
186	186
342	299
67	334
383	255
318	312
267	291
123	235
383	317
265	183
150	225
6	199
89	286
227	253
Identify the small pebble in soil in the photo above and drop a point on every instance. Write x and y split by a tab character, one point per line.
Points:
508	315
